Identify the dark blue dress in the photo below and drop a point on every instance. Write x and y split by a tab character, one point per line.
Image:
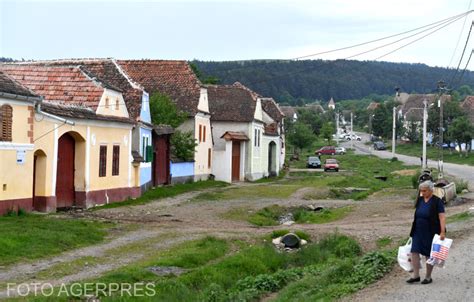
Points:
423	235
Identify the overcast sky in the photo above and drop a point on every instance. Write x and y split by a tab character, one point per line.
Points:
229	30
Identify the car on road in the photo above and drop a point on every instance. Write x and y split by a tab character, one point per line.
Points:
340	150
352	137
379	145
326	150
331	164
313	162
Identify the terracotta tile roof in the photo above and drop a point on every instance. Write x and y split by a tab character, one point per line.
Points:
373	106
315	107
173	78
9	85
468	107
230	103
235	136
63	85
108	73
288	111
271	107
71	111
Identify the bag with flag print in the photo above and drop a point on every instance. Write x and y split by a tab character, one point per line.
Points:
439	251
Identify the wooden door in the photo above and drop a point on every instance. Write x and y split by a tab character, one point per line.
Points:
161	161
65	172
235	161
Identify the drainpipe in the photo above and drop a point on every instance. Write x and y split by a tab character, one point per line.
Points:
38	110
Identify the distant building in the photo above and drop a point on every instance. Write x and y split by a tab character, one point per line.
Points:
289	112
332	104
373	105
468	107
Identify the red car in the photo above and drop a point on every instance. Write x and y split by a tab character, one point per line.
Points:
331	164
327	150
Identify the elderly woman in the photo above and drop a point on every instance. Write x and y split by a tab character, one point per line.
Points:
429	220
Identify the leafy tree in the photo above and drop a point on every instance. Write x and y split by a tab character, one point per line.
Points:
183	145
451	111
462	131
413	133
311	118
300	135
164	111
327	130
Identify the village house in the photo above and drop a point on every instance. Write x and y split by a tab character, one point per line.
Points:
17	105
245	146
274	120
82	139
331	104
289	113
177	80
150	143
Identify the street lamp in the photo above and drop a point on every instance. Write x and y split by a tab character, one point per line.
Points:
425	118
441	90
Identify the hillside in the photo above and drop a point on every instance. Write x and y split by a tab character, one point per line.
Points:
290	81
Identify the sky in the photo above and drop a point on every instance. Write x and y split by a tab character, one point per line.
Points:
232	30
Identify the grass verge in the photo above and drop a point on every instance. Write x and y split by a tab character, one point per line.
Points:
164	192
30	237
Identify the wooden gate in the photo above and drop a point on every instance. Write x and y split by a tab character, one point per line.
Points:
235	161
161	164
65	172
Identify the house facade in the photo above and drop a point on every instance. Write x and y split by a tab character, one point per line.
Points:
82	139
17	105
177	80
242	148
274	119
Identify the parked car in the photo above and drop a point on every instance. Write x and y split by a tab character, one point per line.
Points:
313	162
331	164
326	150
353	137
340	150
379	145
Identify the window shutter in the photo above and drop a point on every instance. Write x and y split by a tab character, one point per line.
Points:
209	158
149	154
200	133
6	114
103	161
116	160
204	133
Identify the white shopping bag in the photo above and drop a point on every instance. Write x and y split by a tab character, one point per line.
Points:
404	256
439	251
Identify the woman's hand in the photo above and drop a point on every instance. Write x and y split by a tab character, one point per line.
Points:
442	235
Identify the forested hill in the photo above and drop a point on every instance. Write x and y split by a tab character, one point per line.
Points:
290	81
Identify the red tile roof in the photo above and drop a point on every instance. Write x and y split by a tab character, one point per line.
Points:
9	85
231	103
271	107
62	85
235	136
468	107
173	78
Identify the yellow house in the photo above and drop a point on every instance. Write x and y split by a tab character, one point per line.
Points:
81	145
16	145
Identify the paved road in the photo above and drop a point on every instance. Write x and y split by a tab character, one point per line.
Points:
460	171
452	283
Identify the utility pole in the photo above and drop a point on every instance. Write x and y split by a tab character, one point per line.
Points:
441	88
337	128
425	118
394	126
352	131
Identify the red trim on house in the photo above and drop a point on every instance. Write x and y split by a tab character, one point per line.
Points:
15	204
100	197
44	203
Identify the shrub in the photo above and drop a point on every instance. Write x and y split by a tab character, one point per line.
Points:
461	185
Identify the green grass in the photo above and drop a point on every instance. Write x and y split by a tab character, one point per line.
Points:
30	237
383	242
432	153
324	216
164	192
459	217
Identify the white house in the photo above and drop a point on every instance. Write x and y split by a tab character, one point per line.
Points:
242	148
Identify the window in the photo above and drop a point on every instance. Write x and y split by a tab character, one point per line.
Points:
116	160
6	114
149	154
200	133
117	104
106	102
204	133
255	138
103	161
209	158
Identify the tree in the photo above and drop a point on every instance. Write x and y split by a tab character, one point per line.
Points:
462	132
413	133
164	111
451	111
183	145
310	118
300	135
327	130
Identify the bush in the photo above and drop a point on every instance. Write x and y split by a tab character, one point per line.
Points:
461	185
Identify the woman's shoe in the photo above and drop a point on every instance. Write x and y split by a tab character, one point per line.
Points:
427	281
413	280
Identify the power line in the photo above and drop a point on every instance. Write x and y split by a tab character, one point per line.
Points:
36	139
460	35
384	38
465	67
462	55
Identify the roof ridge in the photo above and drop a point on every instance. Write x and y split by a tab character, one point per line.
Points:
134	84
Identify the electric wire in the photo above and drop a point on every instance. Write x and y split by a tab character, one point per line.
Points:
462	55
43	135
459	36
